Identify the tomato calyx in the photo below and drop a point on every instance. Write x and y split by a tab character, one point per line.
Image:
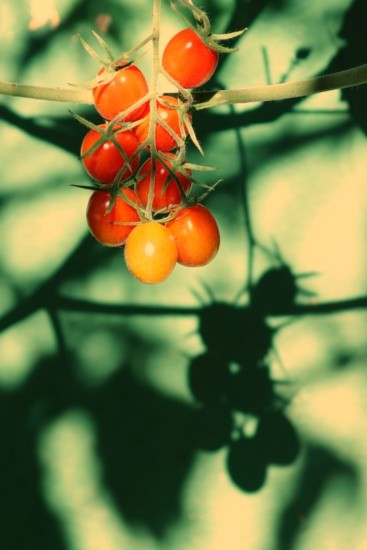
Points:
110	64
211	40
203	28
110	127
107	73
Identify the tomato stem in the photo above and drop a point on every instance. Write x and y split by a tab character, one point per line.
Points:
205	100
288	90
72	95
153	101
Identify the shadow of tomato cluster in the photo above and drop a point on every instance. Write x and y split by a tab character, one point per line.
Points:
238	403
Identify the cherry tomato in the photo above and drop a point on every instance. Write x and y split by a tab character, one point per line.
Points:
150	252
188	60
106	161
126	88
166	191
164	141
197	235
102	224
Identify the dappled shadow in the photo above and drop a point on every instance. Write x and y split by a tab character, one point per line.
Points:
144	446
81	14
320	468
351	54
142	441
62	132
26	518
146	441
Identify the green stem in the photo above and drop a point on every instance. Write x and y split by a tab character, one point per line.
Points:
274	92
73	95
153	100
206	100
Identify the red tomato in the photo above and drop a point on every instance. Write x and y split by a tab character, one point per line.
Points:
126	88
106	161
150	252
164	141
197	235
166	191
104	225
188	60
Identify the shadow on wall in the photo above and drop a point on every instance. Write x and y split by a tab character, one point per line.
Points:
319	470
143	443
146	441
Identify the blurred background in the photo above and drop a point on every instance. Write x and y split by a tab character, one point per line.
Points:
109	440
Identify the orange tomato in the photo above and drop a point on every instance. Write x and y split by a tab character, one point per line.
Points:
150	252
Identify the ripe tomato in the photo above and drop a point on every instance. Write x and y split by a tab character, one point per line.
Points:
188	60
102	224
150	252
106	161
164	141
126	88
197	235
166	191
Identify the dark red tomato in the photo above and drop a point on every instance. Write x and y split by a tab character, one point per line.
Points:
188	60
197	235
104	225
126	88
104	163
166	191
164	141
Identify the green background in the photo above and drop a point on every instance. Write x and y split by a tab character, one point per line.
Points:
95	408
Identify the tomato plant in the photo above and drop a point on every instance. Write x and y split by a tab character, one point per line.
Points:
105	162
166	191
197	235
150	252
125	88
164	140
106	225
188	60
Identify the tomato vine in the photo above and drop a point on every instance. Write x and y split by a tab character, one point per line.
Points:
138	120
348	78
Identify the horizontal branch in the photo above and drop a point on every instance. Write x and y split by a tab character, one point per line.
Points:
288	90
72	95
205	100
53	302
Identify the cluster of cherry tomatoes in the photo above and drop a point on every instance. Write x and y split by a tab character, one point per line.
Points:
135	158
